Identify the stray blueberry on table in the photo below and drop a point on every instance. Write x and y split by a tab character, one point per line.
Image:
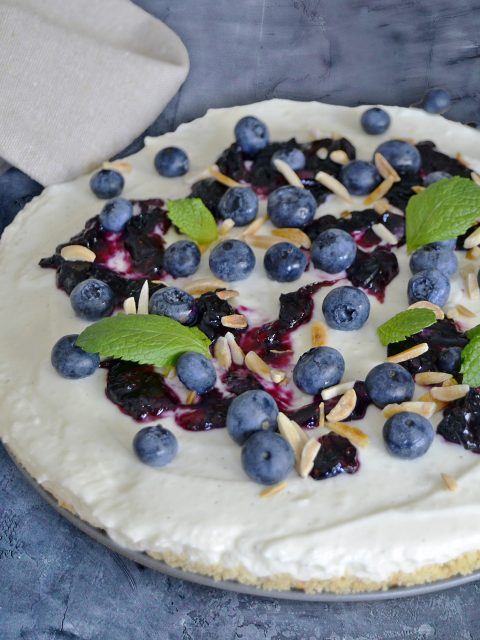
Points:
107	184
171	162
333	250
375	121
115	214
196	372
284	262
249	412
155	446
267	458
346	308
407	435
71	361
294	157
389	383
437	101
317	369
430	285
433	256
174	303
182	258
360	177
92	299
240	204
232	260
251	135
291	207
403	156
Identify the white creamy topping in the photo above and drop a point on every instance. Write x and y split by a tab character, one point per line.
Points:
393	515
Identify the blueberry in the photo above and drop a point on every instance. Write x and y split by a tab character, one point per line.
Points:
346	308
232	260
449	360
171	162
318	369
107	184
115	214
196	372
294	157
437	101
174	303
92	299
181	258
359	177
444	244
403	156
333	250
291	207
435	176
375	121
431	256
240	204
155	446
249	412
430	285
251	135
267	458
71	361
407	435
389	383
284	262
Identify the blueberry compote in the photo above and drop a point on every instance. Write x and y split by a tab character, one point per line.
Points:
461	422
337	455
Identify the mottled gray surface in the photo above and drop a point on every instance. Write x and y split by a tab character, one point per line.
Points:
55	582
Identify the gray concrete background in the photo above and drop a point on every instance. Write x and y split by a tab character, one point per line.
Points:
54	581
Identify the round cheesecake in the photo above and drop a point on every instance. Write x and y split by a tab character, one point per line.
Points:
392	522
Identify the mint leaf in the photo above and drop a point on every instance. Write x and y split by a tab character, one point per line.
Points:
445	210
147	339
405	324
470	368
474	332
193	219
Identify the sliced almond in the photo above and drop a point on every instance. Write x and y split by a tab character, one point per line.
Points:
473	239
307	459
409	354
381	206
277	376
384	168
321	414
449	481
344	407
448	394
235	321
424	304
425	409
226	226
384	234
339	157
222	178
142	306
475	177
77	252
452	313
345	215
295	236
459	158
322	153
170	373
268	492
288	173
337	390
418	188
118	165
473	254
382	190
191	397
471	283
354	434
130	306
439	405
238	357
203	285
432	377
333	185
293	434
254	363
222	353
450	382
262	242
465	311
227	294
254	226
319	334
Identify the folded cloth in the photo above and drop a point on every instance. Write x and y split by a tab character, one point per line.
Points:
80	80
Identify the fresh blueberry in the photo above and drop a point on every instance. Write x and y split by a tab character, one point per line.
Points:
318	369
240	204
346	308
115	214
449	360
437	101
375	121
389	383
249	412
267	458
403	156
155	446
430	285
251	135
284	262
333	250
435	176
196	372
431	256
359	177
92	299
407	435
444	244
107	184
232	260
72	362
294	157
171	162
182	258
291	207
174	303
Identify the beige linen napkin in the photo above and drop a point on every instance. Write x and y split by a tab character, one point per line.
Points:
79	80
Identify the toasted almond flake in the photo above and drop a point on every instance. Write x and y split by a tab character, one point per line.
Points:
322	153
381	206
418	188
339	157
204	247
345	215
473	239
448	394
203	285
142	306
171	373
227	294
238	356
293	434
425	304
465	311
262	242
382	189
277	376
473	254
408	354
450	382
226	226
222	178
77	252
307	459
354	434
475	177
319	334
118	165
344	407
337	390
288	173
333	185
235	321
296	236
268	492
449	481
459	158
321	414
439	405
452	313
423	408
129	306
432	377
471	283
222	353
191	397
254	363
254	226
384	168
384	234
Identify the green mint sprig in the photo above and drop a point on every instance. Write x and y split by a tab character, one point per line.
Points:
193	219
146	339
470	368
405	324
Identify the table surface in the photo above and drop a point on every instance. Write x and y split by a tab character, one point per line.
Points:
57	583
